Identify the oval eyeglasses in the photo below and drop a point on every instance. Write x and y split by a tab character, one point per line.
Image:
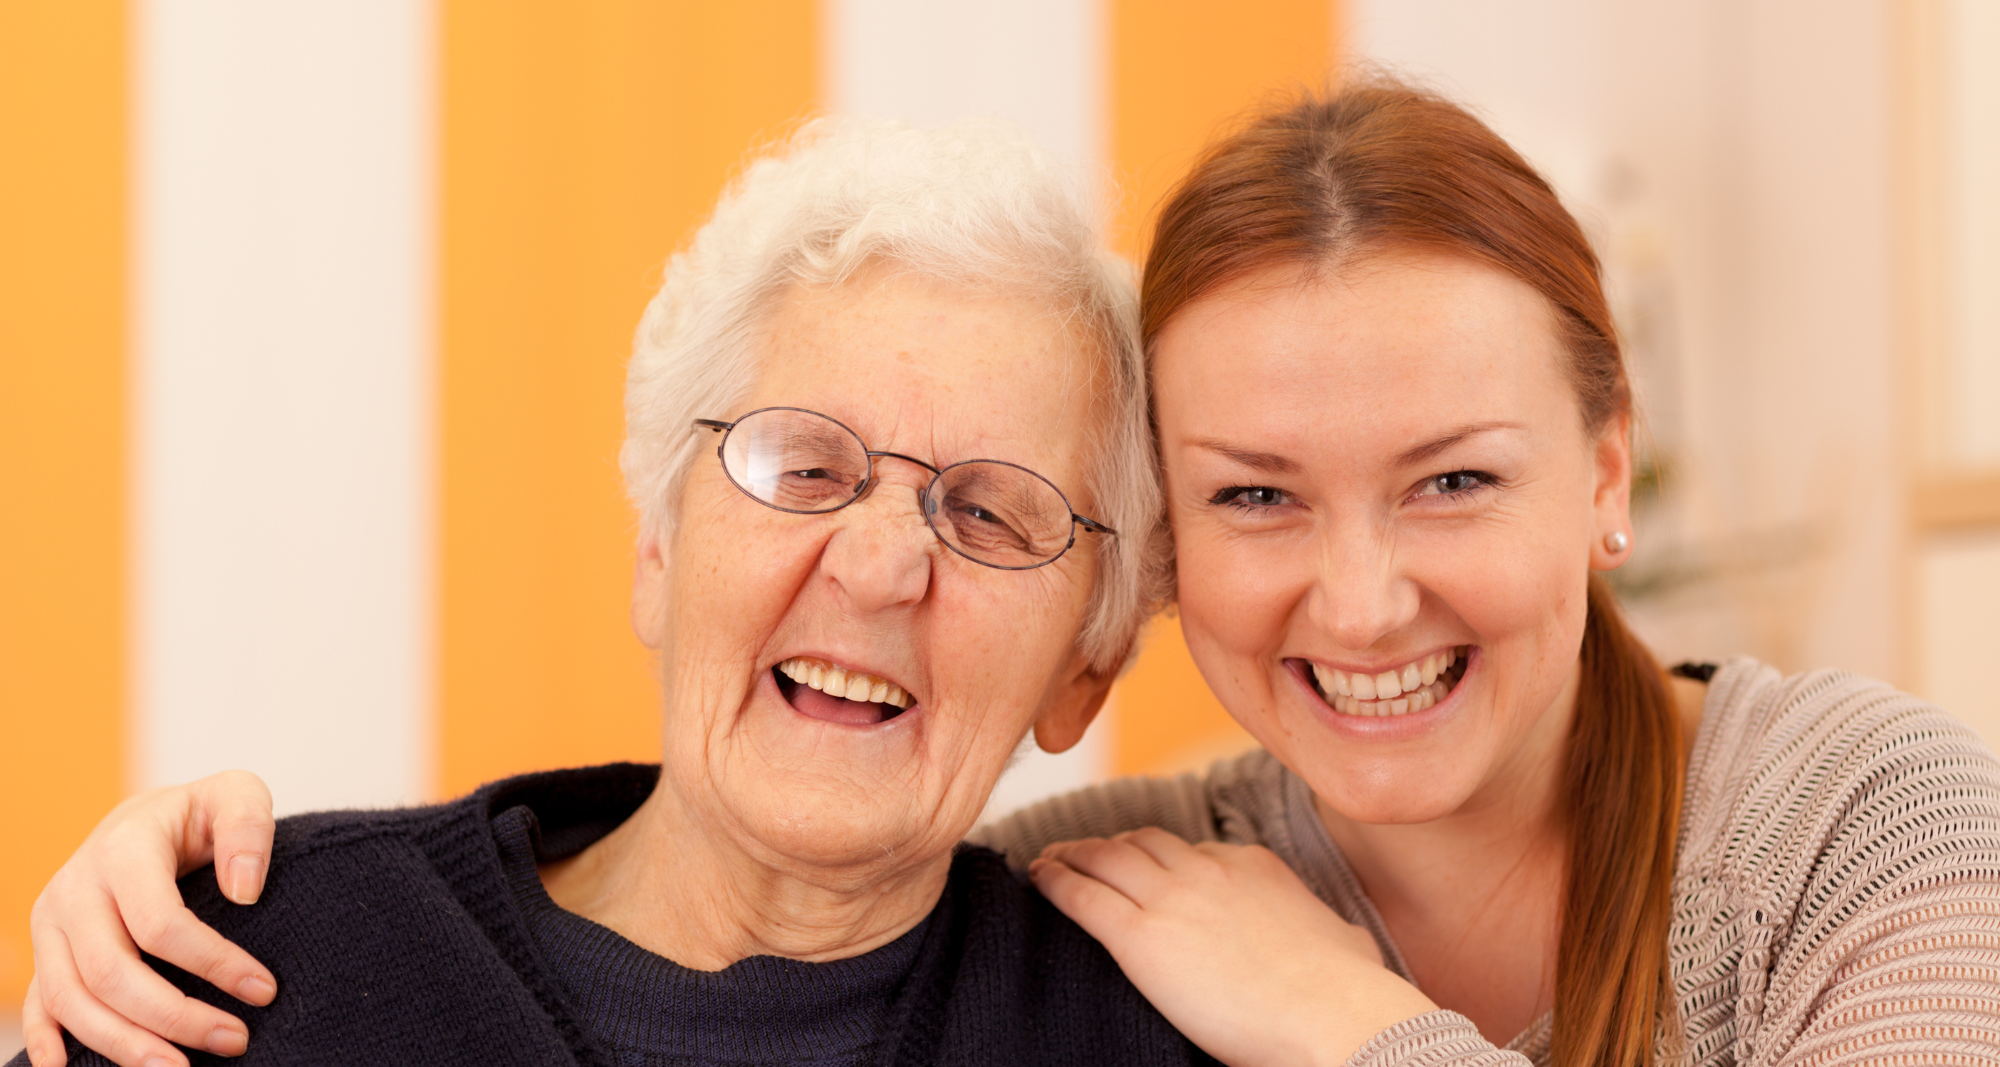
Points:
990	511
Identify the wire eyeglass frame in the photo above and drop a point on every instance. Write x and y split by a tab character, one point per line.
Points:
924	496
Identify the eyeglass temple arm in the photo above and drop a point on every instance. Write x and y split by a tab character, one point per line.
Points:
1092	524
711	424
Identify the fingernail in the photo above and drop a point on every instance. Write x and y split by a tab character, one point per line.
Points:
256	990
1035	866
225	1041
243	872
158	1061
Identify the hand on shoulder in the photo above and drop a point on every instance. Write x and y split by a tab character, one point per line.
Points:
1230	945
116	897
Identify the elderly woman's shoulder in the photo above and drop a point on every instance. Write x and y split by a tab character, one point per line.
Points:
577	801
1785	770
1178	804
1231	801
323	831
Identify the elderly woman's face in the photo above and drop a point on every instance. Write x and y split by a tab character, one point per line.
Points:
1386	507
937	373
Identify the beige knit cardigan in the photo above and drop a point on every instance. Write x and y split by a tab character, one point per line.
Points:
1836	892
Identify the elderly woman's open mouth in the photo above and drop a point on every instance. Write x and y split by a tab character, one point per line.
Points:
822	690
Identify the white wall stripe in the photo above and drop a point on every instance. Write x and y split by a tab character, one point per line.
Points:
1037	62
1040	63
283	408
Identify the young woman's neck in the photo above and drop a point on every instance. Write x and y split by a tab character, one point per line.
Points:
690	891
1473	900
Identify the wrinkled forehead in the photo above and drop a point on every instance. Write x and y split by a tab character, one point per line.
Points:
939	370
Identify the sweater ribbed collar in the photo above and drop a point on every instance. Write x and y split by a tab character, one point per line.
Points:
647	1009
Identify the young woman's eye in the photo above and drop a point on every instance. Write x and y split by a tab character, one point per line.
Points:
1250	496
1456	483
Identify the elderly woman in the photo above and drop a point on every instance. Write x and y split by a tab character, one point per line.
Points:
1485	828
886	436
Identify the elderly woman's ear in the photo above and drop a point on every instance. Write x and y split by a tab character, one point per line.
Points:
649	593
1077	701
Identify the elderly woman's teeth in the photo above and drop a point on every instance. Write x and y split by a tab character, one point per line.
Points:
1411	687
848	685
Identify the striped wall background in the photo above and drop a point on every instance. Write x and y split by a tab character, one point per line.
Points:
313	315
312	323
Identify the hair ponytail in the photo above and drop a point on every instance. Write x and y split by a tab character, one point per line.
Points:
1379	166
1623	784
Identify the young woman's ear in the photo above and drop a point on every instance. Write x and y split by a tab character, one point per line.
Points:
1611	539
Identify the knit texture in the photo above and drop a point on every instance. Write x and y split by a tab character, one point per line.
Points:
396	938
646	1009
1836	888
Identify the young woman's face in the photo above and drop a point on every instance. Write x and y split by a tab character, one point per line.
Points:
1386	506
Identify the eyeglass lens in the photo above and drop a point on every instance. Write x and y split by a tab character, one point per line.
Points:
987	510
795	460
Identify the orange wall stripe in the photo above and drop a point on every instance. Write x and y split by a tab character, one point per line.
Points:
62	442
581	144
1180	69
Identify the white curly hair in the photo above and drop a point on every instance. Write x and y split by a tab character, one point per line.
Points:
971	204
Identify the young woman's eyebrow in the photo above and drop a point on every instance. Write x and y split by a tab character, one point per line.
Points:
1267	462
1431	448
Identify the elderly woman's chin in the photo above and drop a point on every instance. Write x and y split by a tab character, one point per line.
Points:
828	790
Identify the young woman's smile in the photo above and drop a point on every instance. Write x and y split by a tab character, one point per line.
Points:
1396	702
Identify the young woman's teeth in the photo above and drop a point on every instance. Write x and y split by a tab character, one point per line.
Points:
848	685
1413	687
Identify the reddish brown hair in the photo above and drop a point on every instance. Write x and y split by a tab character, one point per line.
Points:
1379	167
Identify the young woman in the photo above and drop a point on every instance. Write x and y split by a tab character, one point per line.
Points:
1395	426
1485	826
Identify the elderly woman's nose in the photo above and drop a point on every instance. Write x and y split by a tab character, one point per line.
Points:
881	555
1361	594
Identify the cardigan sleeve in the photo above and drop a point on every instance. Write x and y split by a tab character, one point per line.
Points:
1885	947
1434	1039
1913	980
1179	805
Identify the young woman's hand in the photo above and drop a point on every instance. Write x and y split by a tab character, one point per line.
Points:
117	896
1232	948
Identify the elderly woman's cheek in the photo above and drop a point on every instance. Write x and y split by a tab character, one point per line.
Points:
1007	653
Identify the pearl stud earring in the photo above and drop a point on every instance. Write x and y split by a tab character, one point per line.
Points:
1615	542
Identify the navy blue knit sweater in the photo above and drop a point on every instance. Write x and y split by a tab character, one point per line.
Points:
645	1008
398	938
